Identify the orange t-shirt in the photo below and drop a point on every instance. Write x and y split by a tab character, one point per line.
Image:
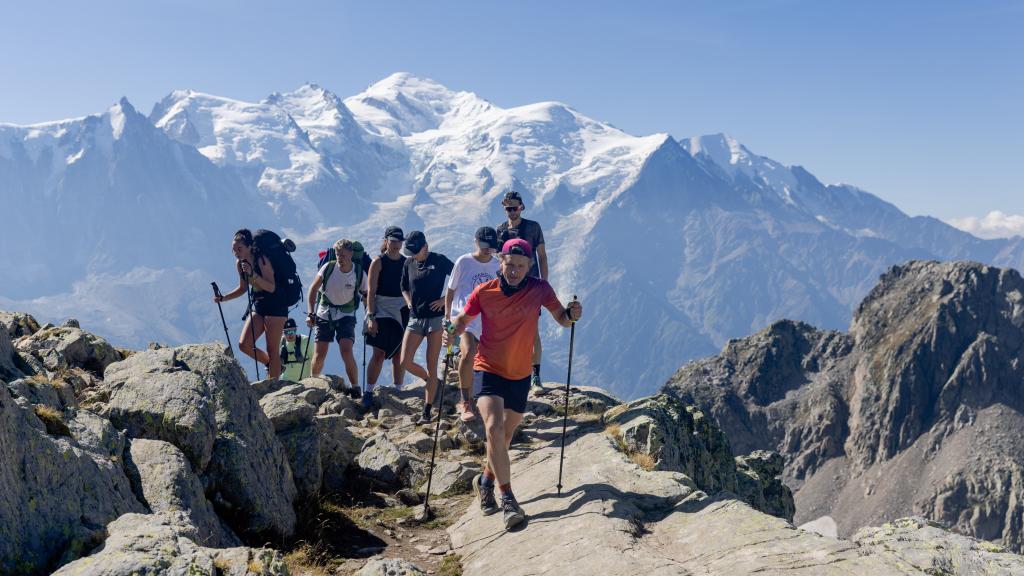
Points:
509	324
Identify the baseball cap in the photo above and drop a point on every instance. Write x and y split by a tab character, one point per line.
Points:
512	196
414	242
487	235
289	323
517	246
394	233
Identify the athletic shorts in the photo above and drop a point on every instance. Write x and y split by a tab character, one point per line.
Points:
513	392
269	306
344	327
424	326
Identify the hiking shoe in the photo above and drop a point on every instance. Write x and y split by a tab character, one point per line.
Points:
367	402
536	387
513	514
356	393
423	418
465	412
486	496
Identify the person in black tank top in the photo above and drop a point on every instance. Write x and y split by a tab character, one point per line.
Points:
386	312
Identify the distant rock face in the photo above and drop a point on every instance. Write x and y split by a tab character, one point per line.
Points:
928	385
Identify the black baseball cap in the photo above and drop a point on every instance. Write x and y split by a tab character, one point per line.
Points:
414	242
394	233
512	195
289	323
487	237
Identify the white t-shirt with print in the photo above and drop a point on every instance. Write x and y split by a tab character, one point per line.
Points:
467	274
340	288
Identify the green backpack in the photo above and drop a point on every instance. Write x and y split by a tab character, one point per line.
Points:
359	264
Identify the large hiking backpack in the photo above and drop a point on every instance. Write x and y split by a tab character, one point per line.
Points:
360	263
288	285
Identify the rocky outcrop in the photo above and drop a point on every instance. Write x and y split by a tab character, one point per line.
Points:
615	517
64	347
56	495
154	544
660	433
198	399
924	386
164	481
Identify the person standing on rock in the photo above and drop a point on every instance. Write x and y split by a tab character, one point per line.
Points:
269	312
529	230
470	271
294	354
509	307
423	289
335	292
386	312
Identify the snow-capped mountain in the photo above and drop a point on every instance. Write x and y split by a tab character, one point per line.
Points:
673	246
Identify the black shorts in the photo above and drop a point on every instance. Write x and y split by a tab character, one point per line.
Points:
269	306
514	392
344	327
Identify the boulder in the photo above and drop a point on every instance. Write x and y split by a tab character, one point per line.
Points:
158	544
452	478
198	399
302	447
60	348
382	462
18	324
164	481
338	449
759	483
419	441
248	476
9	369
37	390
390	567
152	395
286	409
55	497
96	434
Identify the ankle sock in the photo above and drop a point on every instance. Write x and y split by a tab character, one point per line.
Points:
487	479
506	490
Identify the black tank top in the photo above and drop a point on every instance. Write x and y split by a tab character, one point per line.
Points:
389	283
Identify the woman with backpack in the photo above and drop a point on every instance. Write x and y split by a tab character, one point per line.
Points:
256	273
386	312
423	288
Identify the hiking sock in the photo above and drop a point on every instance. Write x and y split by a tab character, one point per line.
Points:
487	479
506	490
426	411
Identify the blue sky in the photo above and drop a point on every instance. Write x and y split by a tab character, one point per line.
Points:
921	103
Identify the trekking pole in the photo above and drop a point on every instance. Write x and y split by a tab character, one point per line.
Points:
252	333
216	292
306	353
364	361
565	417
437	429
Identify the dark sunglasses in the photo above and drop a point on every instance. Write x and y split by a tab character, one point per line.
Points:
513	208
290	332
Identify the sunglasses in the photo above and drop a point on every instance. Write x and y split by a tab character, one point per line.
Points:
290	332
513	208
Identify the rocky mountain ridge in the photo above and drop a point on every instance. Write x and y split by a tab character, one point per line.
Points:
913	411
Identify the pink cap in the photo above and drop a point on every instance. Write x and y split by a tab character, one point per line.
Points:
517	246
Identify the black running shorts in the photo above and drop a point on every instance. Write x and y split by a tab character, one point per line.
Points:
513	392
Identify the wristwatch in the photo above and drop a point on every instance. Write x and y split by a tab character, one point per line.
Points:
371	316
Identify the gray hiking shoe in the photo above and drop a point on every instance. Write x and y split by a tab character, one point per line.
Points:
486	495
514	515
536	387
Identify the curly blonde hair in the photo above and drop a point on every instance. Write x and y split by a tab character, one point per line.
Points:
345	244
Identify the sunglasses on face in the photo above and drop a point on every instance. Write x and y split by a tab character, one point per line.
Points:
289	332
513	208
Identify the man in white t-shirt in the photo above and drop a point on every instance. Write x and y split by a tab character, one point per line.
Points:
336	293
470	271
